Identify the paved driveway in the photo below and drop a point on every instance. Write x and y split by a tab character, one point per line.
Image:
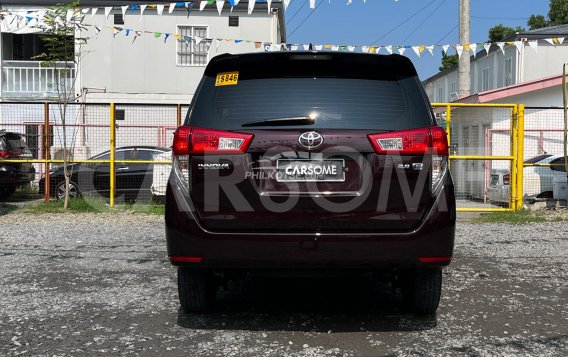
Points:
99	284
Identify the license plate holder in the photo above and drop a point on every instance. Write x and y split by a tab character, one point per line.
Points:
308	170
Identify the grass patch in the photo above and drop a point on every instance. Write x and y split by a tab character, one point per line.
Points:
519	217
93	205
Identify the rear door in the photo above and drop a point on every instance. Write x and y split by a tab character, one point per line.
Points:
306	148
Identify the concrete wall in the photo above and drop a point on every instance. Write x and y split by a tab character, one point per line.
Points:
115	69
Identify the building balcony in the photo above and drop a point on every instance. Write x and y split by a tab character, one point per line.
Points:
30	80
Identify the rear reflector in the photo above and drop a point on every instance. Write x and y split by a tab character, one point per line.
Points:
433	260
190	140
183	259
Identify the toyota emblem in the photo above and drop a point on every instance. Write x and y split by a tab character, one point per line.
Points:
310	140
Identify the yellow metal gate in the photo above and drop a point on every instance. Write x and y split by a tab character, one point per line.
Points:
486	151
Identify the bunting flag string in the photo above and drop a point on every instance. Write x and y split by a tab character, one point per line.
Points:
30	21
418	50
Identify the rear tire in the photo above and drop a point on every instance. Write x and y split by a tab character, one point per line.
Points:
422	289
197	289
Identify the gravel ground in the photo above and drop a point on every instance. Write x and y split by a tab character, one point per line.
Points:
87	284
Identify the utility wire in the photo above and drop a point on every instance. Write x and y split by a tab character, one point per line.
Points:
447	34
424	21
297	12
499	18
305	19
403	22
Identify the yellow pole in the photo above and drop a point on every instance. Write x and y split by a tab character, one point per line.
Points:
178	116
520	157
448	121
112	152
514	153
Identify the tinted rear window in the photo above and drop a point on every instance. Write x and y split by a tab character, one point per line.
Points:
338	103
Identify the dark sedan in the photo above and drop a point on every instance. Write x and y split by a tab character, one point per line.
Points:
133	181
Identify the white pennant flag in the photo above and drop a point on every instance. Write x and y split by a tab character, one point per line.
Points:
84	11
306	47
202	5
107	11
560	40
286	3
220	4
295	47
197	40
445	48
459	50
94	11
416	50
473	48
172	7
69	15
275	47
487	46
319	47
124	8
365	49
142	8
312	4
519	45
160	9
335	48
217	44
401	50
501	46
389	49
269	3
430	49
534	45
351	48
549	40
251	6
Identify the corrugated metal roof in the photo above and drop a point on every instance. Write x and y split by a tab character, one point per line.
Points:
552	30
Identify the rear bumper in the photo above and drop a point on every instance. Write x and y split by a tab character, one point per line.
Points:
187	240
11	176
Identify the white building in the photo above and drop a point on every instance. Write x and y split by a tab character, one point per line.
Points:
154	57
148	70
528	76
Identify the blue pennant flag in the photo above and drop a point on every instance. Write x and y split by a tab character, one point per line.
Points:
166	36
134	7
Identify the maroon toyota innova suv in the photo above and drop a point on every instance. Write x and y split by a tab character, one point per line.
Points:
310	162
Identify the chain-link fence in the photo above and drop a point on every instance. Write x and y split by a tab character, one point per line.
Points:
483	142
38	137
544	171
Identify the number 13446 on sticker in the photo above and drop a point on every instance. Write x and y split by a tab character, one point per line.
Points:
227	79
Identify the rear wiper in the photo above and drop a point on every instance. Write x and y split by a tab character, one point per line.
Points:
302	120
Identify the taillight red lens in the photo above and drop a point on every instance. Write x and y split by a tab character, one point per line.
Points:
181	140
411	142
191	140
439	141
207	141
4	154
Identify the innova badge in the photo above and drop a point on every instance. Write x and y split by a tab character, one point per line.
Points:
310	139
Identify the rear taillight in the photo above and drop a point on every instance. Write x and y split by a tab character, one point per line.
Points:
422	141
4	154
201	141
191	141
506	179
207	141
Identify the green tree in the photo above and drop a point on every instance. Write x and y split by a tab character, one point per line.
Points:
448	61
60	27
499	32
558	12
537	22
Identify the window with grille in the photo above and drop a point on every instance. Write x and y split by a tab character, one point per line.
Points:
508	71
188	53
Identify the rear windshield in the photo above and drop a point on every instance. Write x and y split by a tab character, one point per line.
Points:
335	103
